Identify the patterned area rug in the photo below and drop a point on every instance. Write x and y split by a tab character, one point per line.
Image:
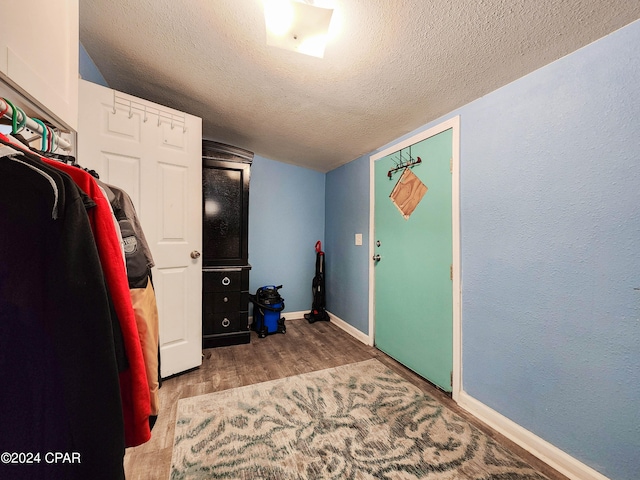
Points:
359	421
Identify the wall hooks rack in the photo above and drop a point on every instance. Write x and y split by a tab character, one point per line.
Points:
164	116
403	163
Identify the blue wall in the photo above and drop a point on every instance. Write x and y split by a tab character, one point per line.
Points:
88	69
550	210
347	204
550	224
286	219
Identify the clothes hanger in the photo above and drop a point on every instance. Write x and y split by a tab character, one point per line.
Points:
45	131
17	124
52	140
5	149
6	108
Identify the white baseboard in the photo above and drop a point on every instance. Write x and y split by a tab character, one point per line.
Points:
294	315
548	453
350	329
287	316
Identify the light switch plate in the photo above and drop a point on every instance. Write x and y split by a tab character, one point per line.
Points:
358	239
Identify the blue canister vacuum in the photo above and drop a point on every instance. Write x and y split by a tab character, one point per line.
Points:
267	305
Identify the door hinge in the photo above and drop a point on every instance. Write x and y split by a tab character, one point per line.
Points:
451	165
451	379
451	272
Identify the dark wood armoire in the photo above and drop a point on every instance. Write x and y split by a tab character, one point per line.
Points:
225	273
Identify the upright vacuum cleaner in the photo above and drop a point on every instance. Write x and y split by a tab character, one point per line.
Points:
318	311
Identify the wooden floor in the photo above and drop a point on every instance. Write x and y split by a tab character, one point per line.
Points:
304	348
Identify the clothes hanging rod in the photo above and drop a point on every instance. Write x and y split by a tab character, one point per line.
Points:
32	125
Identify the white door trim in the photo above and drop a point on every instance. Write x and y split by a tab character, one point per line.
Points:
454	124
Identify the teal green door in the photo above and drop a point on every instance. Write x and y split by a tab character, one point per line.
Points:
413	286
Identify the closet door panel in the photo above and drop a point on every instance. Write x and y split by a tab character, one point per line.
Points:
39	55
124	172
172	280
172	198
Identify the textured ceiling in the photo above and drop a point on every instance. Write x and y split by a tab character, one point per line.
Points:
393	65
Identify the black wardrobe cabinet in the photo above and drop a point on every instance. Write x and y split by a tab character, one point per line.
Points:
225	272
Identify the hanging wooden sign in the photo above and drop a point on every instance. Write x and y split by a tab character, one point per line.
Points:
408	192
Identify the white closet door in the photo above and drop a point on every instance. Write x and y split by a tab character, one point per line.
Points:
154	153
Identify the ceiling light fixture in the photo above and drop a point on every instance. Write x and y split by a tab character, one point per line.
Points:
297	26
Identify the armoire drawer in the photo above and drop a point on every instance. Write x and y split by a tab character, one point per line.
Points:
218	302
226	322
225	280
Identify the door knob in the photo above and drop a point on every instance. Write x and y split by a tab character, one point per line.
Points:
376	257
195	254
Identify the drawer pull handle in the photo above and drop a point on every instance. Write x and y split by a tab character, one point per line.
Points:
226	281
225	299
226	322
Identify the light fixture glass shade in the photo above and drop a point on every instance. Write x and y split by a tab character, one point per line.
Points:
296	26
